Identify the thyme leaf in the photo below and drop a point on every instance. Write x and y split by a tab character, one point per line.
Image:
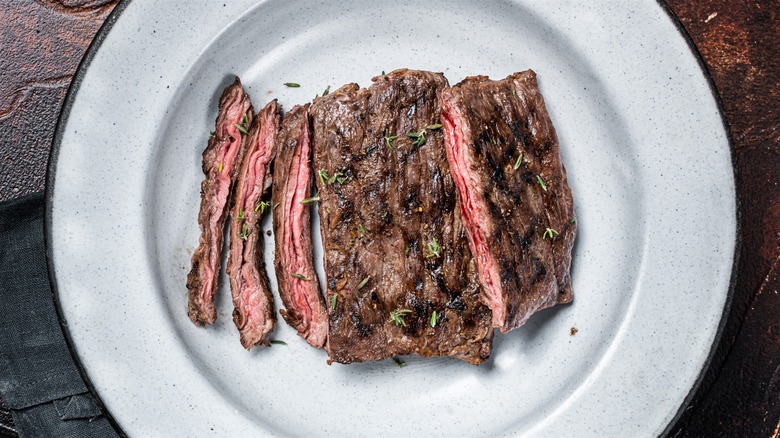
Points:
333	302
433	319
433	248
519	161
389	139
277	342
300	277
363	283
245	232
541	182
292	85
311	200
549	232
399	362
397	316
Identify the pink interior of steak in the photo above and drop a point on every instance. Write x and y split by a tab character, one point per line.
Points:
251	299
223	168
302	291
472	207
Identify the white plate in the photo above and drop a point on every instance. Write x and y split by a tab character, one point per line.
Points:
641	136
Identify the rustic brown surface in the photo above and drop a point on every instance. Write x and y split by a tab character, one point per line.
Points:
44	40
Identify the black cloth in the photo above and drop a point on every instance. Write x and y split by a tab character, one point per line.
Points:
39	380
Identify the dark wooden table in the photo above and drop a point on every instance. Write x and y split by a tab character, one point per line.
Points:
739	41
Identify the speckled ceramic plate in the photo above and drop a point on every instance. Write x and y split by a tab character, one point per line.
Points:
641	135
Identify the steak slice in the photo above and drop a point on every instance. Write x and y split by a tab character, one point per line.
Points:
252	297
298	285
516	203
395	245
221	161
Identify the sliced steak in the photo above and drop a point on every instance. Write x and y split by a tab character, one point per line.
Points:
395	244
221	161
252	297
298	285
516	203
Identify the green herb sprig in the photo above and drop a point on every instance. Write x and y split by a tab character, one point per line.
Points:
245	232
433	319
549	232
541	182
519	161
420	135
300	277
292	85
363	283
313	199
397	316
389	139
399	362
433	249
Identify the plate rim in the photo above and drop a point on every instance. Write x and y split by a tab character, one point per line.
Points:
95	46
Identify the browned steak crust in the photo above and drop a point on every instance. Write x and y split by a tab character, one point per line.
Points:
395	245
503	150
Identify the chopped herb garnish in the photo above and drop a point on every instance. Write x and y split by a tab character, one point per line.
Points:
549	232
399	362
240	214
310	200
519	161
300	277
433	127
241	128
323	174
418	136
363	283
389	139
228	137
277	204
327	90
292	85
245	120
220	167
212	133
383	72
384	215
494	141
433	248
433	319
541	182
245	232
333	302
361	229
262	206
337	177
397	316
573	220
274	341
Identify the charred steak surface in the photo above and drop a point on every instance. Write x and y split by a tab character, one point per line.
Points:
298	285
253	311
221	161
400	278
516	203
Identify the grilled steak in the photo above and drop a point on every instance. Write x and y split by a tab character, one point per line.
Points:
400	277
298	285
221	161
252	298
516	203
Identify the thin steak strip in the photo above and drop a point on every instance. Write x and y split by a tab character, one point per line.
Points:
517	205
298	285
221	161
252	297
400	276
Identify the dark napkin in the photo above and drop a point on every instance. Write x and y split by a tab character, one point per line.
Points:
39	379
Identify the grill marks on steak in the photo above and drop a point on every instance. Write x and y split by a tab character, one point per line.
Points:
251	293
488	124
298	285
377	224
221	161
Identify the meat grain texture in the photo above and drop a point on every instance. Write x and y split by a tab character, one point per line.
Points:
514	195
298	284
221	162
395	245
253	312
